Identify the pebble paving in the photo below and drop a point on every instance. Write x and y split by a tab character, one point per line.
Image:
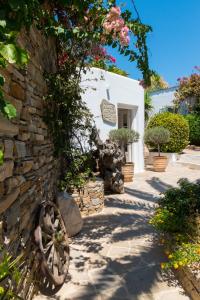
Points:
117	254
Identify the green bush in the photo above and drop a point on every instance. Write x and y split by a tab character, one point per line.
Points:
194	126
178	128
179	207
177	217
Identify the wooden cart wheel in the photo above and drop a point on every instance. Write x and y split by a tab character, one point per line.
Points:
53	249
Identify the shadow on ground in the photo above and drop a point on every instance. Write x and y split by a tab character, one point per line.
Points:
134	273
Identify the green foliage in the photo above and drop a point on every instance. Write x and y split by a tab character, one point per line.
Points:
101	64
178	208
157	82
194	127
177	217
157	136
148	107
124	135
183	255
13	54
1	157
78	172
70	123
9	269
189	87
178	128
13	15
117	70
67	116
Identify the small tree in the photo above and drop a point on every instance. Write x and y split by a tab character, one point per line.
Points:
123	136
157	136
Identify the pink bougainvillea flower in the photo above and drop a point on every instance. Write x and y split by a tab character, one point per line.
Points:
112	59
107	27
119	24
115	25
115	11
62	59
125	29
97	58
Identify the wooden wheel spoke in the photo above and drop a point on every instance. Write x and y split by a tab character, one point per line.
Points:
48	225
55	266
48	247
53	245
56	223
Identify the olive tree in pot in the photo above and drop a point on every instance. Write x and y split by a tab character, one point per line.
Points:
124	137
156	137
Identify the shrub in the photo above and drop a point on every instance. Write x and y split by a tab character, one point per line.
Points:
178	128
178	207
124	135
157	136
178	218
194	127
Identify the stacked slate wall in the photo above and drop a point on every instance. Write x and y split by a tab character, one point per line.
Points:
28	174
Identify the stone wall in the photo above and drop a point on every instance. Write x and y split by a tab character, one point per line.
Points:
91	199
27	175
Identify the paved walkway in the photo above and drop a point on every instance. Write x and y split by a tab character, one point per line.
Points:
116	256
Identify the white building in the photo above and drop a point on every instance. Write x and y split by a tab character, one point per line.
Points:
162	100
126	97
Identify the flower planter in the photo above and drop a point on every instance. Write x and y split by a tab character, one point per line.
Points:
128	171
159	163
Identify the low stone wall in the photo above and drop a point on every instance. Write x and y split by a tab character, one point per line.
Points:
190	284
91	199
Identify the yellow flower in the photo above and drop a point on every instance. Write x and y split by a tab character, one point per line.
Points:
162	265
170	256
180	263
1	290
175	266
198	251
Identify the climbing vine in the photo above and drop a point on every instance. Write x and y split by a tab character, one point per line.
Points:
94	23
82	30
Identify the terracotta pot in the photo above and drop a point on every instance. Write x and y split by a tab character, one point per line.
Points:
159	163
128	171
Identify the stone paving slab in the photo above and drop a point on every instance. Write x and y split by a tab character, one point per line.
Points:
116	255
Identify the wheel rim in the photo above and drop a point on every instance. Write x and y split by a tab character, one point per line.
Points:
52	241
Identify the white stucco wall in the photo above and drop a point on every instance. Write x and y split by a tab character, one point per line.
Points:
123	93
162	99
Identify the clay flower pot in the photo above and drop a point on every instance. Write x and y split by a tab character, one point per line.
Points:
128	171
159	163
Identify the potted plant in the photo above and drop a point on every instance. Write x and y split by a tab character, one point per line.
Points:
125	136
158	136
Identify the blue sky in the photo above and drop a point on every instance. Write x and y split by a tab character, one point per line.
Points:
174	44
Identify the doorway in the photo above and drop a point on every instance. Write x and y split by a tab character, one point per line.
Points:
125	121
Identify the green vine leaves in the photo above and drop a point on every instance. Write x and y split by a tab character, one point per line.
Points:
14	14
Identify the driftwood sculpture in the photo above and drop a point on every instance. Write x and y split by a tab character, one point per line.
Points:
110	161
